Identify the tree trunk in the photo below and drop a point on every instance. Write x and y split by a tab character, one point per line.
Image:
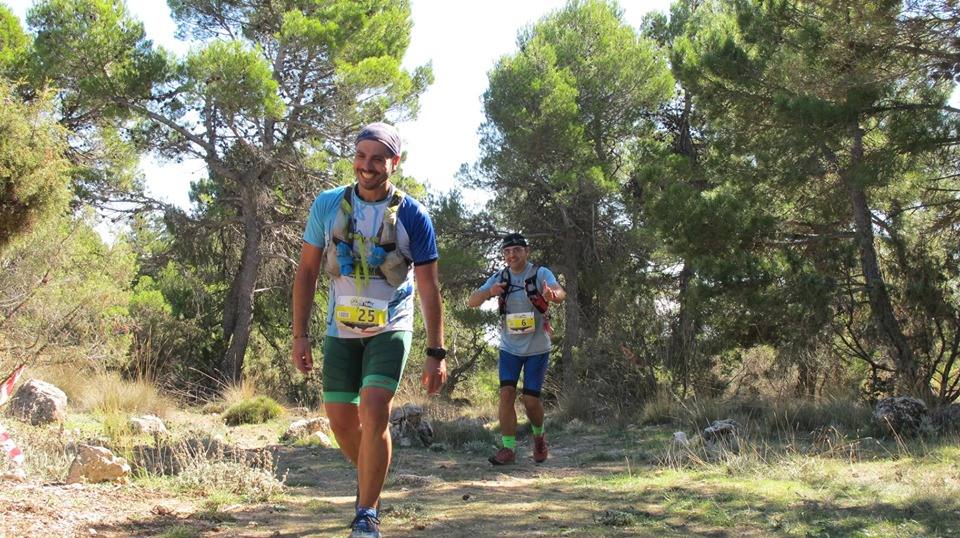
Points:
238	309
683	337
571	336
683	333
880	306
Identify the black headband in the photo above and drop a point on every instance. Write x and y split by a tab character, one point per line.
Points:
514	240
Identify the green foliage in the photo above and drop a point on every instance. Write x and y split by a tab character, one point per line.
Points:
239	80
13	40
180	531
33	172
168	338
65	295
256	410
95	52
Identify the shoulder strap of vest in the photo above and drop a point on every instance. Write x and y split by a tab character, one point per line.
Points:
502	298
346	208
533	291
533	280
396	198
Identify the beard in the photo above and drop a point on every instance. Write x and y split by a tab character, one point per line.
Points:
371	180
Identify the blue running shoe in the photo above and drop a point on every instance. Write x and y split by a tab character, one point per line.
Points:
365	525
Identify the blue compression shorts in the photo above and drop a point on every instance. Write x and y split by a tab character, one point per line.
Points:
534	370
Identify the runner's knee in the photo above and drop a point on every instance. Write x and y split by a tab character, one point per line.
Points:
343	417
375	406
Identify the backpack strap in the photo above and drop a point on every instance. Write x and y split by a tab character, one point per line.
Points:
530	287
502	299
391	215
346	208
533	292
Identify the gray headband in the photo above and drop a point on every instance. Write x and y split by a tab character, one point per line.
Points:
384	133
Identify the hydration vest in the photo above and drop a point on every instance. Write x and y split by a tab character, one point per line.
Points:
395	266
533	294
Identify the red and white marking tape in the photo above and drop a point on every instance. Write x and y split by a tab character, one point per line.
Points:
6	388
6	443
9	447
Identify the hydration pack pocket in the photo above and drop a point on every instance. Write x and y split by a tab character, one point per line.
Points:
395	268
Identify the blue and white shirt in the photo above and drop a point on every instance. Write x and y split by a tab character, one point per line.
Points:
415	240
517	302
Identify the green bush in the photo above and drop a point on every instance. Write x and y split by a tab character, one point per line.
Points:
253	411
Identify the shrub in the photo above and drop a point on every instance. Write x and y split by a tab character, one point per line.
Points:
116	426
256	410
463	431
233	477
662	408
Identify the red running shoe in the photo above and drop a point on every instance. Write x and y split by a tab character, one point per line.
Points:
540	451
503	457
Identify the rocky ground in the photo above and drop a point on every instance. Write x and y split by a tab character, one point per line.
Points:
616	481
452	493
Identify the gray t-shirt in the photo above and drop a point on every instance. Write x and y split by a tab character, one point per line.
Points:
519	312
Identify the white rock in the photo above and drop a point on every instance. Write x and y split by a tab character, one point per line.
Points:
304	427
97	464
15	475
680	438
323	439
721	429
147	424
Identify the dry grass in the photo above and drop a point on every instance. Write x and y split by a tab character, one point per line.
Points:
456	426
231	394
662	408
235	393
115	394
45	450
771	418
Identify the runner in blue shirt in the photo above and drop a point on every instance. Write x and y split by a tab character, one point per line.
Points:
376	244
523	291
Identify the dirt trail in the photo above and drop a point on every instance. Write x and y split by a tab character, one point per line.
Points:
451	493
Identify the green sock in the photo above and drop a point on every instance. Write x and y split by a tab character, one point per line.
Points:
537	430
510	441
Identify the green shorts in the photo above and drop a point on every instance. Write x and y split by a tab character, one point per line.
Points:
350	364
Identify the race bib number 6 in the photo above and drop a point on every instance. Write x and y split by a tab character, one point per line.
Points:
521	323
360	314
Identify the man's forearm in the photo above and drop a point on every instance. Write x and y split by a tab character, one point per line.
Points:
478	297
304	287
432	308
428	287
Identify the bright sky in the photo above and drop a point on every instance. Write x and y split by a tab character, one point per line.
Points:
462	39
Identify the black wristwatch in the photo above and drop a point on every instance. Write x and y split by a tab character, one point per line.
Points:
437	352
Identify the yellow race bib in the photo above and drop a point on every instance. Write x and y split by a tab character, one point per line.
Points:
521	323
360	314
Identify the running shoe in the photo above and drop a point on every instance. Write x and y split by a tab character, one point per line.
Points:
365	525
503	457
540	451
